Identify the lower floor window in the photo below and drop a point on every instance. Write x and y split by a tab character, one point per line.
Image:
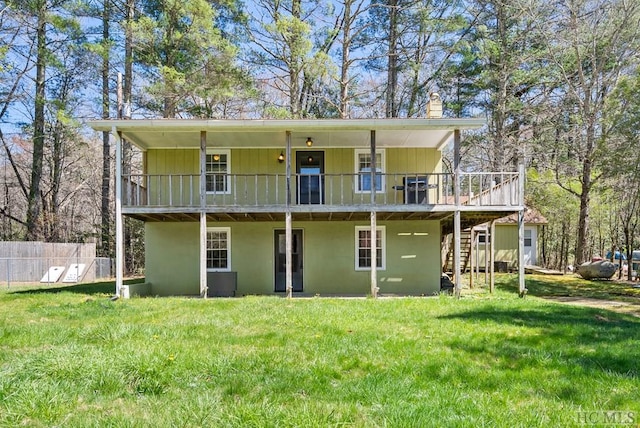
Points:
219	248
364	246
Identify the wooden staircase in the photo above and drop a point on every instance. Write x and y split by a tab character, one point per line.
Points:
465	251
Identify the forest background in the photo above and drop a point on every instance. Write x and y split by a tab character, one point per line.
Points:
558	82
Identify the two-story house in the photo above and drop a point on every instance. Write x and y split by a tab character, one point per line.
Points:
238	207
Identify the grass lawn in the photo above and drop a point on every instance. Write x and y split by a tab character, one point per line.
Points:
76	359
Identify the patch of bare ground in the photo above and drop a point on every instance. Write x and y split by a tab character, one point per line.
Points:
625	307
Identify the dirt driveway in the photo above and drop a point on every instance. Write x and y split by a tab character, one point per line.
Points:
631	308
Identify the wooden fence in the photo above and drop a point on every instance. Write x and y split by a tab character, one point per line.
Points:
51	262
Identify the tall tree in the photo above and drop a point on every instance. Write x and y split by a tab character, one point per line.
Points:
349	29
51	25
105	199
125	109
623	160
498	64
39	9
15	65
185	56
588	44
292	55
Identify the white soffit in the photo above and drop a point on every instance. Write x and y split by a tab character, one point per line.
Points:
326	133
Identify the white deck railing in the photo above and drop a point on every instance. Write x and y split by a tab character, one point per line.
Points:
340	190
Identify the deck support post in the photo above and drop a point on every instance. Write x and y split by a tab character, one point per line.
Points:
456	252
374	227
456	214
289	256
472	235
203	214
522	290
374	256
288	231
119	219
486	253
492	253
203	255
477	244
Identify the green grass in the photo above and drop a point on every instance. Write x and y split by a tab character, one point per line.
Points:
71	359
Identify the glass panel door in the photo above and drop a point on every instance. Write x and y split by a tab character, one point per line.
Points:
280	267
310	169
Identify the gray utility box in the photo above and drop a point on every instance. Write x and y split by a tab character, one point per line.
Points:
500	266
222	284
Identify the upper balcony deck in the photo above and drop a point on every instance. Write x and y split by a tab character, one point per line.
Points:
311	196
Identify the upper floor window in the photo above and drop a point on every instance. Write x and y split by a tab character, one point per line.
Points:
363	169
218	166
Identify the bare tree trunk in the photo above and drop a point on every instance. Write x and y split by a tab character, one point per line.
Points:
499	143
127	106
582	244
105	212
56	176
563	248
128	60
415	78
296	65
33	204
344	70
392	70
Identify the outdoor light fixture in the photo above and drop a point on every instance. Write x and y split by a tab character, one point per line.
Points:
309	142
310	159
281	157
216	157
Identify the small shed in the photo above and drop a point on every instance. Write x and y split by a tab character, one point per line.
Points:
506	239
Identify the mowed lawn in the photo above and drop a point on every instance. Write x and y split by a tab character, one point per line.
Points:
73	359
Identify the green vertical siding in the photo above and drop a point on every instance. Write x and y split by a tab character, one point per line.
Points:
412	257
506	246
174	161
265	161
172	258
412	250
266	188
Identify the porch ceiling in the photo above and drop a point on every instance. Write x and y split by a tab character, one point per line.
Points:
326	133
467	218
280	216
474	218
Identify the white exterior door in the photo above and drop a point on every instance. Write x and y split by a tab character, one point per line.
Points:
530	245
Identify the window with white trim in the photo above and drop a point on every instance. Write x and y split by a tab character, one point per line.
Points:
528	238
363	248
218	168
363	169
218	249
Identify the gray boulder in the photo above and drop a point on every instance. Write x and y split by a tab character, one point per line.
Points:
602	269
